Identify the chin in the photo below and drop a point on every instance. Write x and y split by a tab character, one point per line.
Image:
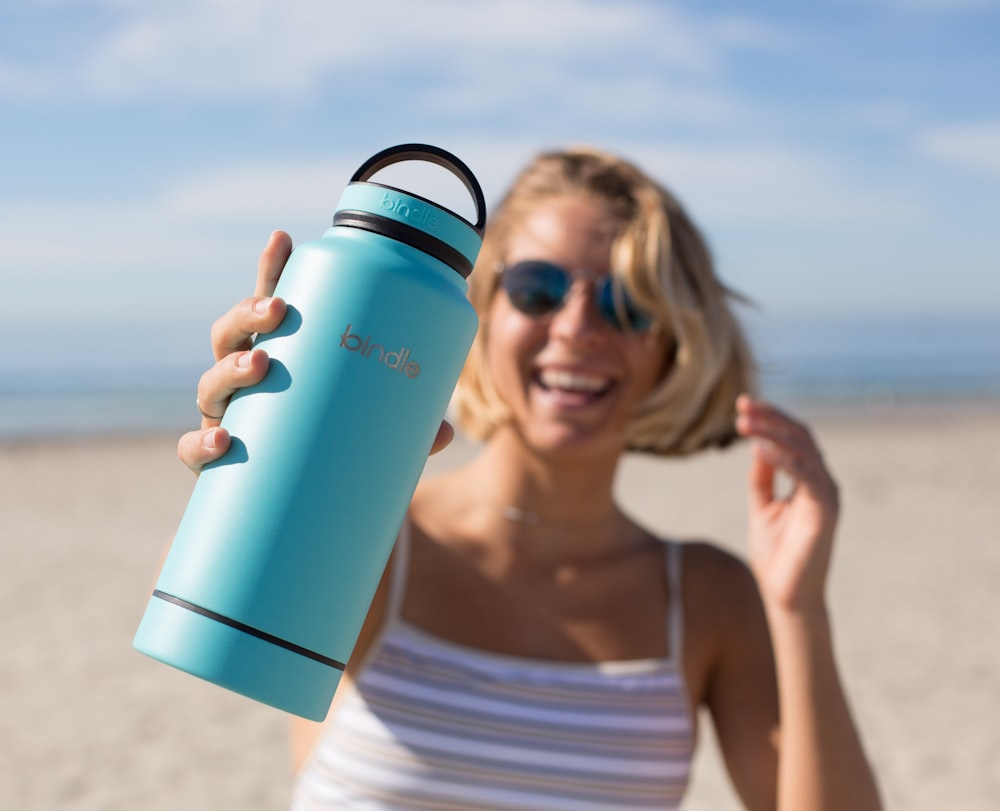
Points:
565	442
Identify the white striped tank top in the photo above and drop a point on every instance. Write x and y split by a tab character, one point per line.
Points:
430	724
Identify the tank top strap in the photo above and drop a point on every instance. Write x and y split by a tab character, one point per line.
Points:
675	601
399	571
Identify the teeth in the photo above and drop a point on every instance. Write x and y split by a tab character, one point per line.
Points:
572	381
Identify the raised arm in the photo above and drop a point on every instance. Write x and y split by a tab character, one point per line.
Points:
821	760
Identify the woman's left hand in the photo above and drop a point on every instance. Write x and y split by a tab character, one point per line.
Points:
791	533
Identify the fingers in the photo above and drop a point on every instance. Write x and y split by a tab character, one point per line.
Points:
780	440
197	448
445	434
271	263
237	365
235	330
761	480
261	313
234	372
781	444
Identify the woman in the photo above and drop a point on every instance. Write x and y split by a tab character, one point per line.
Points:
531	646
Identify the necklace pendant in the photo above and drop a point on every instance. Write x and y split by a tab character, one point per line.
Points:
519	516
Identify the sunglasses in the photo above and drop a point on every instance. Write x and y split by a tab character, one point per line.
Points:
538	288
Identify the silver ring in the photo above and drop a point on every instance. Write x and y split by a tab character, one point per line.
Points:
205	415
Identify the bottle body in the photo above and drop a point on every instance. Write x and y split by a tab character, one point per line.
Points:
284	540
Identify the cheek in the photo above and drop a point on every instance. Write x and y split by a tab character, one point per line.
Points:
651	364
511	340
512	333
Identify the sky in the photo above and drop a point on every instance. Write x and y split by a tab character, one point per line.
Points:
841	157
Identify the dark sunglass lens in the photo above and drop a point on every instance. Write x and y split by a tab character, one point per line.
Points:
618	308
535	288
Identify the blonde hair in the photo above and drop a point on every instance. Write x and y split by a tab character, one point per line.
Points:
666	268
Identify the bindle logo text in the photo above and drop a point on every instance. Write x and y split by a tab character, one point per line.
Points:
411	212
398	361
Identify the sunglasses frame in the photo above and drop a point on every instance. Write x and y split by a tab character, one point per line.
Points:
610	295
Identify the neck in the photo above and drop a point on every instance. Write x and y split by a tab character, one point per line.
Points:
545	501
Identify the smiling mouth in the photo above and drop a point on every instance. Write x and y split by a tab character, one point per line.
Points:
578	383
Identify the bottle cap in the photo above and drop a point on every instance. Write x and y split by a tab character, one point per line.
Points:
412	219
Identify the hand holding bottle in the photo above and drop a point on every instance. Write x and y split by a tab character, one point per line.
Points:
238	366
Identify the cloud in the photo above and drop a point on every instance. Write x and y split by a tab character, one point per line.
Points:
747	32
191	246
227	51
188	250
973	146
770	186
19	82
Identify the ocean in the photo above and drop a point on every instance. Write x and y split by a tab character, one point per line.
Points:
138	380
876	363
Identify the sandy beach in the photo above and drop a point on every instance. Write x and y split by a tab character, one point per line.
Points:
89	724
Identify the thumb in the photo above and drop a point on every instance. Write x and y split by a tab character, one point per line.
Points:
445	434
761	477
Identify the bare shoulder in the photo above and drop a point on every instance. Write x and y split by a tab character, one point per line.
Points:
723	616
717	576
437	502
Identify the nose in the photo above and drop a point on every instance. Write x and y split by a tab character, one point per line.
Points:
578	319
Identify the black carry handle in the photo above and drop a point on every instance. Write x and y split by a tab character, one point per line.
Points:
430	154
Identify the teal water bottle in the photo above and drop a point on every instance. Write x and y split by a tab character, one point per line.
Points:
284	539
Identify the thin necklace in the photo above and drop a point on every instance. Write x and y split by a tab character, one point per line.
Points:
517	515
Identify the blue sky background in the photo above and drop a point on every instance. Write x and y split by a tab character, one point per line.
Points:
842	157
